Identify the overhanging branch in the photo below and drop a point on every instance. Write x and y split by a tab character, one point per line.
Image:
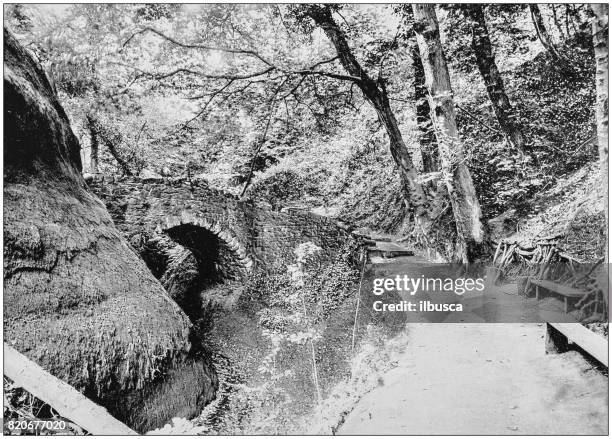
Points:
247	52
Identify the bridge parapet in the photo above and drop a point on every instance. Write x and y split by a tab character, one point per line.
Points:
255	232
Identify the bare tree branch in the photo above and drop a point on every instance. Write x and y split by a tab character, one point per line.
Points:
263	139
110	144
160	76
265	75
203	109
325	61
126	87
247	52
328	74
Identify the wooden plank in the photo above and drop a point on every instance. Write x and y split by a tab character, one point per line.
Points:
558	288
65	399
397	253
594	344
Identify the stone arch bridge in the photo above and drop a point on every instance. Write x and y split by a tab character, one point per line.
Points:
191	212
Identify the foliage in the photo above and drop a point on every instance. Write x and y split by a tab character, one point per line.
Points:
282	187
293	307
554	105
323	146
557	111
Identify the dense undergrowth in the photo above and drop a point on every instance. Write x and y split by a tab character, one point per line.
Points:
282	348
556	107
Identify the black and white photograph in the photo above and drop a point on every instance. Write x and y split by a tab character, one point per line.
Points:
256	219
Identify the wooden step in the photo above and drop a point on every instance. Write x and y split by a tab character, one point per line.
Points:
390	253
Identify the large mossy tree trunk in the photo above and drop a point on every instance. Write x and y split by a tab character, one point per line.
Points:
485	59
77	299
600	44
461	191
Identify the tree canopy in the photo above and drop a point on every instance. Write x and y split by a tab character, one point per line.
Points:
325	106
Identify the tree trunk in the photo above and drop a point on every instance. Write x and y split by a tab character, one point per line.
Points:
571	12
543	35
78	301
376	94
600	43
94	145
464	202
110	144
481	45
556	20
427	139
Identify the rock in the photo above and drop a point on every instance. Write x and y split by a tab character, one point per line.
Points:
77	299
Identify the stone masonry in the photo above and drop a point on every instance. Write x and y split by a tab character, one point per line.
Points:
256	234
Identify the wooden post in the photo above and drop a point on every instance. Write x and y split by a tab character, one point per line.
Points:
492	276
522	285
556	342
65	399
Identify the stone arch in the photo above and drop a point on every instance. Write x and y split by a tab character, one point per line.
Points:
225	235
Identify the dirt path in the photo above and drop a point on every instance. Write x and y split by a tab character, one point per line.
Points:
481	378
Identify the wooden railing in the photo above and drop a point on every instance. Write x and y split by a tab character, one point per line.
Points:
65	399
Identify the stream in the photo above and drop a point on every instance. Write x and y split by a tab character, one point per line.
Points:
267	385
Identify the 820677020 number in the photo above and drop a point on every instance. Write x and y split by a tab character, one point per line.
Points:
35	425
